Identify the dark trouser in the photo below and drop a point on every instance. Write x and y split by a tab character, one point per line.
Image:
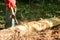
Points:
8	19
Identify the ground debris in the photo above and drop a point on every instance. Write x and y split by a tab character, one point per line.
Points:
15	33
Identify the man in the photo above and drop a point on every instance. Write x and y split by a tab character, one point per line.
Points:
10	13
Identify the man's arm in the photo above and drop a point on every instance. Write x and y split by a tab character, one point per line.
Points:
12	11
14	14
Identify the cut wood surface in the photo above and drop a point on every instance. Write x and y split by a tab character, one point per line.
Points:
34	30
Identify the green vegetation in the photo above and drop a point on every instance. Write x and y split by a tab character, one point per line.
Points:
33	9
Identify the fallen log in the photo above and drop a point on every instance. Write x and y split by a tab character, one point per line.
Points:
31	30
43	24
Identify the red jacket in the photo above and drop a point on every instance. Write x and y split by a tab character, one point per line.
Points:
10	3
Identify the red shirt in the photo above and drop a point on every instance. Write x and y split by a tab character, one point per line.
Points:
10	3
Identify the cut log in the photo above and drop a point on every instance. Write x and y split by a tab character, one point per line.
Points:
43	24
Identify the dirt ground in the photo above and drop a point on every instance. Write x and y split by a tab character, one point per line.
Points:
16	34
